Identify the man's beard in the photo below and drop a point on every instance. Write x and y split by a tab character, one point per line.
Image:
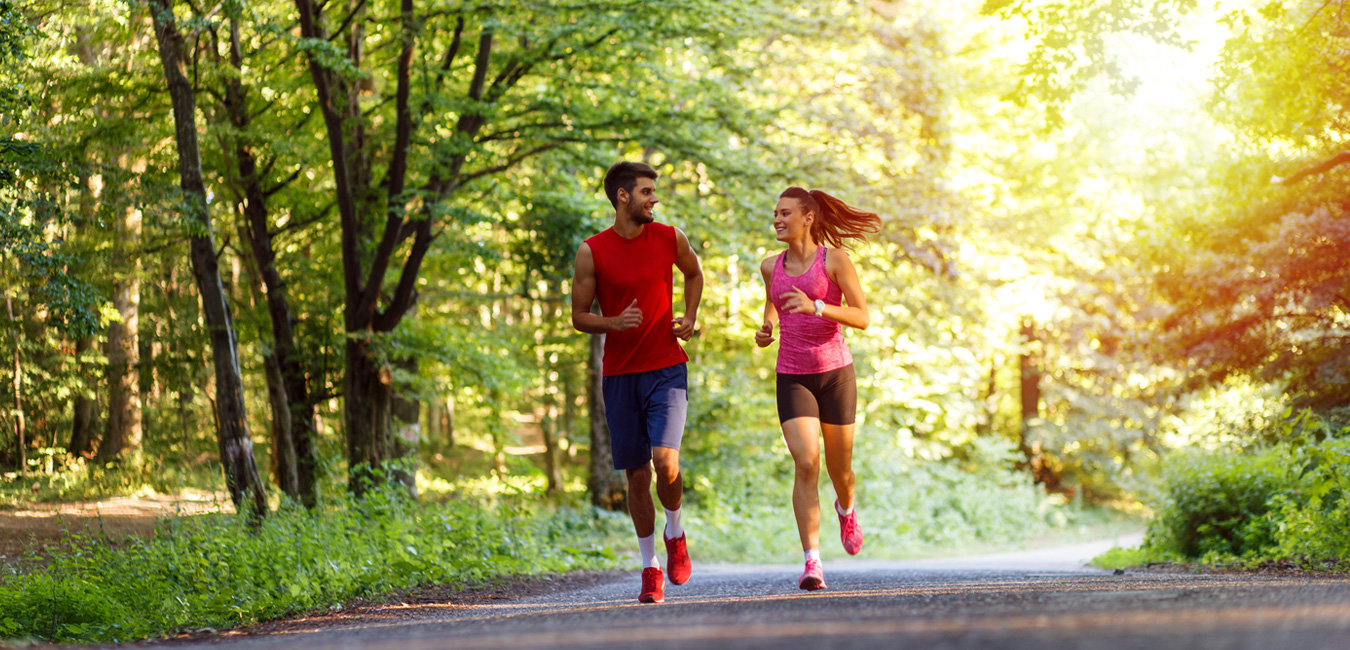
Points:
640	215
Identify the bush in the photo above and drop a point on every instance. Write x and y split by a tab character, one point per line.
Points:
1312	521
1216	505
1286	500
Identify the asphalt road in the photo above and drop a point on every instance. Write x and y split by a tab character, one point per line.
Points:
1041	600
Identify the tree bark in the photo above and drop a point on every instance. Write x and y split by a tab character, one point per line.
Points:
84	401
122	433
607	486
283	447
407	433
549	426
282	460
246	487
19	422
989	400
82	422
1031	400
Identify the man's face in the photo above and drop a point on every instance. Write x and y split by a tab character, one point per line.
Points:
641	202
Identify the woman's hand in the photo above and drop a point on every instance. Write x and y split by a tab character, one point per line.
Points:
797	302
764	335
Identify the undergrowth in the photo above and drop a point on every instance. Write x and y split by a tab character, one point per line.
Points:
219	572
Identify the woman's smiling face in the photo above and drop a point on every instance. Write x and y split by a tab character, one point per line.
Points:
790	219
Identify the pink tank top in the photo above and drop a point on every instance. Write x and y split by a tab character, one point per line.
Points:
807	343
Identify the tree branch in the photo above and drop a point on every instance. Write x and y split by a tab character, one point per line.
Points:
450	53
347	22
1324	166
296	225
461	179
283	183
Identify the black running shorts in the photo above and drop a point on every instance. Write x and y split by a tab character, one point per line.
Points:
831	397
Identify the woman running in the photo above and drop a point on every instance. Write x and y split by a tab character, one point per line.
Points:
817	392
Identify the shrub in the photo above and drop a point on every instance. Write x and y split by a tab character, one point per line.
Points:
1217	505
1312	521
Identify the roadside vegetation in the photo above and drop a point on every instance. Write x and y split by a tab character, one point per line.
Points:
222	571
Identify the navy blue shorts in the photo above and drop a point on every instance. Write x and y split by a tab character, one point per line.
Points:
645	410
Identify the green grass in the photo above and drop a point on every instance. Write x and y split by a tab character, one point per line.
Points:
1126	558
218	572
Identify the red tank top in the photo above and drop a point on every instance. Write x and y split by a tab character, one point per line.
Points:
638	269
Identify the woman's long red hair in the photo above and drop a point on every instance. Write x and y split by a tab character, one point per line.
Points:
836	221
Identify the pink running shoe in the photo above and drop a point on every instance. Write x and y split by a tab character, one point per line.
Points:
653	586
677	559
849	531
813	577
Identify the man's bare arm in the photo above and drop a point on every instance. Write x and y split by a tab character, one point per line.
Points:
583	294
687	261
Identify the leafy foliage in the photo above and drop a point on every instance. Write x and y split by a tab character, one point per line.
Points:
215	571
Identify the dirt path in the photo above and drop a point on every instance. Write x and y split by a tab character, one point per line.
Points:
38	526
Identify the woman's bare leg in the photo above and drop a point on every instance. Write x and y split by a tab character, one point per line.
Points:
839	460
803	440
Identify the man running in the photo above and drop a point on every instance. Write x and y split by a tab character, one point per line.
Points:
628	269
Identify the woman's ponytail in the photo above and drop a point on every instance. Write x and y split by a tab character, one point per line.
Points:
836	221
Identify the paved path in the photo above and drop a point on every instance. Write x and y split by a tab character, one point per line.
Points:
1038	600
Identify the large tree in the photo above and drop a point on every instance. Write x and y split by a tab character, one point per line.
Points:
472	92
247	490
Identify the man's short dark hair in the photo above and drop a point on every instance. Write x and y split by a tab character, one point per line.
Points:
624	174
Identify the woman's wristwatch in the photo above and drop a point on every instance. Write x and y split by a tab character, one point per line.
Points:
820	307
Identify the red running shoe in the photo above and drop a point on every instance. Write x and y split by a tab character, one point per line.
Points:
677	559
813	577
653	586
849	531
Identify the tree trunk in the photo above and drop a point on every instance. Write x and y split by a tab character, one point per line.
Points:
300	408
82	422
122	434
283	447
283	459
1031	400
569	412
246	487
448	420
406	434
18	413
989	400
607	485
549	426
368	395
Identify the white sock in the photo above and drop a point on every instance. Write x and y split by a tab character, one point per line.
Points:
647	549
842	512
812	554
673	527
